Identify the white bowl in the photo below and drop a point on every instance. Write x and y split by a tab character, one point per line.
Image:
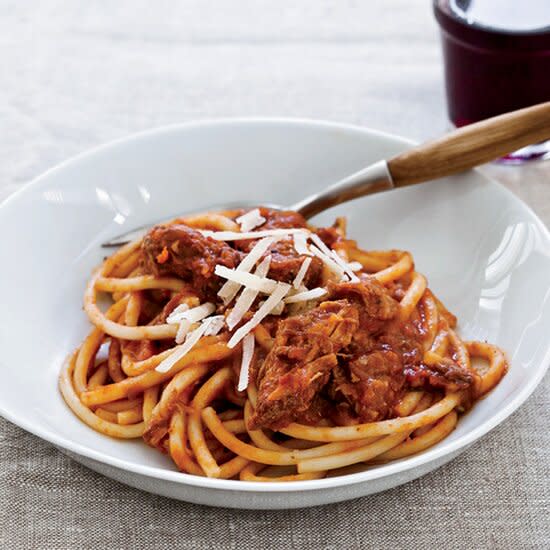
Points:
485	253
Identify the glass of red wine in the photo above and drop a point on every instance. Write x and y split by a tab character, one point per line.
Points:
497	59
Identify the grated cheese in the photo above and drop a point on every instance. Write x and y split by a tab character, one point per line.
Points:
300	244
344	265
332	254
320	244
180	309
236	236
312	294
278	294
249	280
183	329
194	314
247	297
301	273
229	290
215	324
328	261
250	220
277	310
191	339
248	354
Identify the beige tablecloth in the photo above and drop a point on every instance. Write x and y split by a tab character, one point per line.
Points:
76	74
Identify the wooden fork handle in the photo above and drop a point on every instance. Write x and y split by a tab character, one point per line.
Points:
472	145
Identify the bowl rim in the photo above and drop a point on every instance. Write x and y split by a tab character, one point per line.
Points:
443	449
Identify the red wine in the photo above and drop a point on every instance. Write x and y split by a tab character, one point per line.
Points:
497	55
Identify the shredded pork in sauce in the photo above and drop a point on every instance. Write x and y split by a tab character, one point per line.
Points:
345	359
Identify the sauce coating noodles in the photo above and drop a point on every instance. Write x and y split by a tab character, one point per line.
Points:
353	359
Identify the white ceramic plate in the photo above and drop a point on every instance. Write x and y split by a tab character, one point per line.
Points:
484	252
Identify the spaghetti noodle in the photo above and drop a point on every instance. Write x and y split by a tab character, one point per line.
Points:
250	345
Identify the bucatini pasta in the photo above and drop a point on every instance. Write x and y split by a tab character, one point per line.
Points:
250	345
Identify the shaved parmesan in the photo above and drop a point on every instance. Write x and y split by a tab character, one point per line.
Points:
183	329
333	255
215	324
194	314
300	244
246	299
250	220
236	236
229	290
180	309
301	273
344	265
192	338
249	280
277	310
328	261
248	354
320	244
355	266
312	294
278	294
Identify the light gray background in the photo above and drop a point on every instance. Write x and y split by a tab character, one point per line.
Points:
76	74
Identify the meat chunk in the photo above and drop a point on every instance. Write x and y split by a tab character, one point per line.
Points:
405	338
367	387
184	252
299	364
446	375
285	261
376	309
285	264
329	235
372	295
371	382
318	411
275	219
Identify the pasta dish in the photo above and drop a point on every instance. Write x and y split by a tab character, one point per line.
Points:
250	345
